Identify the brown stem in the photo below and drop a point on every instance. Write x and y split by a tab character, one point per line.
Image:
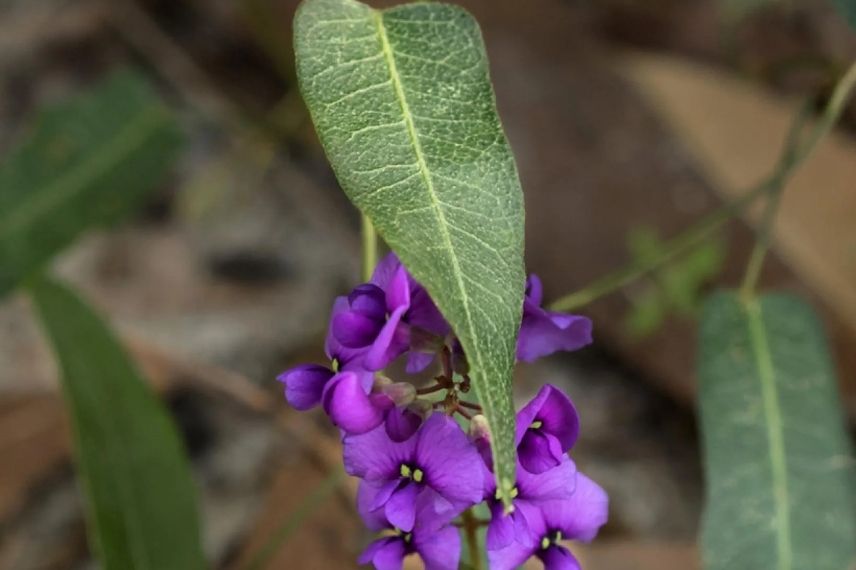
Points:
463	412
430	389
470	405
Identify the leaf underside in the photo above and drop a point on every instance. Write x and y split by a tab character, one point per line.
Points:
402	102
778	463
88	162
130	462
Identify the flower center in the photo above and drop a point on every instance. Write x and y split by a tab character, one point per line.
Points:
550	539
537	424
514	493
405	536
414	473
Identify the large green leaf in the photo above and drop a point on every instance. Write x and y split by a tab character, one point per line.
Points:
140	497
403	105
89	161
778	462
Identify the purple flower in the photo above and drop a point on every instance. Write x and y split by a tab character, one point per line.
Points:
352	407
544	332
530	491
547	427
577	518
304	384
432	538
389	315
438	464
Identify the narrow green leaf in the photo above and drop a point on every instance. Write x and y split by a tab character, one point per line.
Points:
89	161
778	463
134	473
403	105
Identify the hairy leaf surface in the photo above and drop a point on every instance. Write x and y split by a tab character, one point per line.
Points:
404	107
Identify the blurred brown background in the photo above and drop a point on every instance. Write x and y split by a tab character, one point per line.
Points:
627	117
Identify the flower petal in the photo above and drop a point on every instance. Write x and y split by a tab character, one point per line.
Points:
581	516
304	385
418	361
557	483
390	342
500	530
368	300
440	549
534	290
424	314
385	269
355	330
382	492
398	291
558	558
510	557
556	414
450	461
374	456
349	407
400	509
401	423
332	347
385	554
539	451
370	500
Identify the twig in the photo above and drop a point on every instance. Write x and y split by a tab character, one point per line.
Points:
831	114
790	159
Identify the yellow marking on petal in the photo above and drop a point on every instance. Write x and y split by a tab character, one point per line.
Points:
537	424
405	471
418	475
545	543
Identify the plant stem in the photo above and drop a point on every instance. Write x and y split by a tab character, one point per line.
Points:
792	156
831	114
430	389
673	248
471	526
369	254
294	520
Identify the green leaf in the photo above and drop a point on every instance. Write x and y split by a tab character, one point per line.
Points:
89	161
778	463
403	105
140	498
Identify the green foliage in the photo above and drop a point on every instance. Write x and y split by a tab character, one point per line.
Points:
778	463
677	287
140	496
89	161
403	105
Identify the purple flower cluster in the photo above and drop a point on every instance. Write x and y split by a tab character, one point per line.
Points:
419	469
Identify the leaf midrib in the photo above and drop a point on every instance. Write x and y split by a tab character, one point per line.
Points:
425	172
133	135
773	414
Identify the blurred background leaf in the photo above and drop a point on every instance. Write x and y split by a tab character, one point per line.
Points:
674	289
131	464
778	463
89	161
848	9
